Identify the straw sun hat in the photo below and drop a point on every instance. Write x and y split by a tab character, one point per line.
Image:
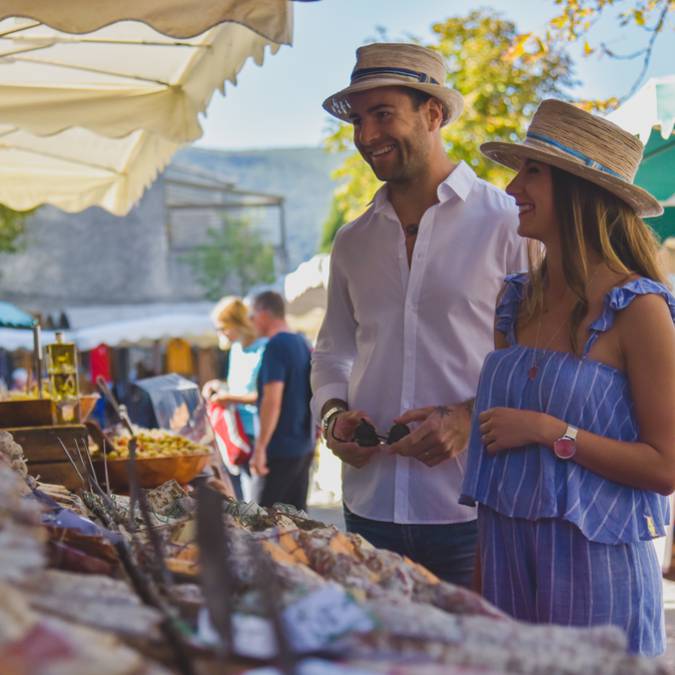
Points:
585	145
397	65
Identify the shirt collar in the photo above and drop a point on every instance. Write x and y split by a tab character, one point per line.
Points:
380	200
458	182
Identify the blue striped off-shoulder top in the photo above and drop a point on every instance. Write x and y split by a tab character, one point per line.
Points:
531	482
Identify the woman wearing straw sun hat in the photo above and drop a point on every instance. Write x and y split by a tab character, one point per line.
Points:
572	449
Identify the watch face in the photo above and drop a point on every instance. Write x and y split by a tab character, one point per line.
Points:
564	448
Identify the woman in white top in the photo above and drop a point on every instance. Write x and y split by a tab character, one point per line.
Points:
231	319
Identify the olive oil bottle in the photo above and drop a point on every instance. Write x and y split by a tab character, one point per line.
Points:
63	380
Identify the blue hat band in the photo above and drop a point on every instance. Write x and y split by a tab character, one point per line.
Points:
361	73
589	162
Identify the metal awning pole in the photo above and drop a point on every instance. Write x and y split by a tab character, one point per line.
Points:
283	243
37	356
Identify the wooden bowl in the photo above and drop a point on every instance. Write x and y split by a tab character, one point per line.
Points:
152	471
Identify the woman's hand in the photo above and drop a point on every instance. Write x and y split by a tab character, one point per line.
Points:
221	398
210	388
510	428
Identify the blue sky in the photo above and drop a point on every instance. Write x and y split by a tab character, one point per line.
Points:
279	104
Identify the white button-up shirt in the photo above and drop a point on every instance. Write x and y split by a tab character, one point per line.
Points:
396	337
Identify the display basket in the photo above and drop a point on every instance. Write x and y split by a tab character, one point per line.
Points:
152	471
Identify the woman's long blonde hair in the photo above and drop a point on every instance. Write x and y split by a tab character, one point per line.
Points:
590	219
233	313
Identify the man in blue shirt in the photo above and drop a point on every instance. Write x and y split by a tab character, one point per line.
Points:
285	446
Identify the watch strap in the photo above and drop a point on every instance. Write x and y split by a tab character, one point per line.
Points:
330	413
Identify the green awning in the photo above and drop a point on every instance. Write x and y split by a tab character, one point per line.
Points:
650	114
664	225
657	175
657	169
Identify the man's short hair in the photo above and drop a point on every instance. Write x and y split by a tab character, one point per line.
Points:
419	98
271	302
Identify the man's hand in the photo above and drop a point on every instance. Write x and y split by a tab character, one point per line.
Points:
258	462
340	439
442	434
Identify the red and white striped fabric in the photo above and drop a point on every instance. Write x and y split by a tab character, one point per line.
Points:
233	442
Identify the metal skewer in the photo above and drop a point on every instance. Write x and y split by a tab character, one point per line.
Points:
70	459
105	468
84	467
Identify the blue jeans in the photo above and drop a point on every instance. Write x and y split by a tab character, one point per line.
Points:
449	551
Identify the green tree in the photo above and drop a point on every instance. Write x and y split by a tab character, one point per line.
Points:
499	97
12	227
235	258
334	221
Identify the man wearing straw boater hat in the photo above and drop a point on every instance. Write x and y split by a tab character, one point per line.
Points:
412	290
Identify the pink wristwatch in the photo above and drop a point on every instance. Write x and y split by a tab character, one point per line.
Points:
565	447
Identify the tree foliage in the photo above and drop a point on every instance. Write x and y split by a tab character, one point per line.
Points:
578	18
334	221
12	227
235	259
500	97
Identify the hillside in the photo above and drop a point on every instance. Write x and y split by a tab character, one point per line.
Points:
301	175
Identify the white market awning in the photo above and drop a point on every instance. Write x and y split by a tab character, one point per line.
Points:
15	338
177	18
118	79
194	328
651	106
78	168
89	119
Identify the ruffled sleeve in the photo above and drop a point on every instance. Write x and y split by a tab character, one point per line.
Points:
621	297
506	312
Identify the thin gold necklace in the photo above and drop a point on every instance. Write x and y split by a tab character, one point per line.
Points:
534	365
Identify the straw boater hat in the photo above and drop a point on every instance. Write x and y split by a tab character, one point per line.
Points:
585	145
397	65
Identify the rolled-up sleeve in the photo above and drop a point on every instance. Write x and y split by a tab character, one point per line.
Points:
333	356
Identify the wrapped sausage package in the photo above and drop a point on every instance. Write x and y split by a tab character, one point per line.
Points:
170	402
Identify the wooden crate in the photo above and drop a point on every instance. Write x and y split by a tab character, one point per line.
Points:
39	412
26	413
46	458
